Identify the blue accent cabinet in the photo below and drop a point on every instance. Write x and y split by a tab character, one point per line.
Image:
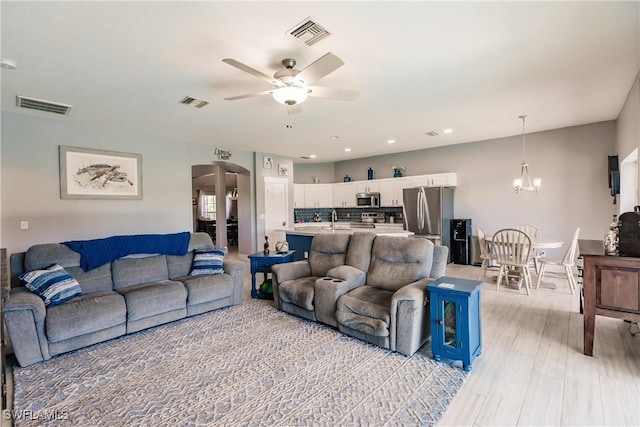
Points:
456	324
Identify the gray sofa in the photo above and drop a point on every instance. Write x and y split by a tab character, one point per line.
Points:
118	298
369	287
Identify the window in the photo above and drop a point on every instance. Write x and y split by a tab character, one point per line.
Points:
209	203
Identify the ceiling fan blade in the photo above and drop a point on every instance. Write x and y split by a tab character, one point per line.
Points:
294	109
249	95
320	68
247	69
334	93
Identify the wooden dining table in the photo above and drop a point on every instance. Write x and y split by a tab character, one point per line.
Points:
541	243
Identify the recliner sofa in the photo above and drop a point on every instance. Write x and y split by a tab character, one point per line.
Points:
121	297
369	287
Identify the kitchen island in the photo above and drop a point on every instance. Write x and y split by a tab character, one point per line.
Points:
300	237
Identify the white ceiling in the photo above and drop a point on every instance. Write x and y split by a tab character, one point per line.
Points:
419	66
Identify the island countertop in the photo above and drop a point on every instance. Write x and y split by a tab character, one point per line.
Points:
344	228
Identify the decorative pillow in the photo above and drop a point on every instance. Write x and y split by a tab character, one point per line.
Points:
54	284
208	261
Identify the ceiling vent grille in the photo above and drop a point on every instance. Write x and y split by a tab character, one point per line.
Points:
309	32
42	105
193	102
432	133
305	157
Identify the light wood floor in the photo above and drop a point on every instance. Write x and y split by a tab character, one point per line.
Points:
532	371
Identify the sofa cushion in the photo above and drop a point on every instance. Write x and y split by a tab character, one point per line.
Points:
299	292
208	261
327	251
365	309
359	253
207	287
154	298
53	284
179	266
43	255
398	261
135	271
85	314
98	279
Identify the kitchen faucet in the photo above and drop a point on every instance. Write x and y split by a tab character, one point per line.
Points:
334	218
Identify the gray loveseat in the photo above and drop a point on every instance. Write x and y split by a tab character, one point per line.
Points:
371	288
120	297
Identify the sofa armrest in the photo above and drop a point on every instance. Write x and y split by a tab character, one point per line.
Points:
235	269
339	281
287	271
24	315
410	326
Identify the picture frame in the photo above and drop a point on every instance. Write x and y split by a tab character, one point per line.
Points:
283	169
87	173
267	162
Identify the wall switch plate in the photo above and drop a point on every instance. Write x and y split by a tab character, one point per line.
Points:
24	225
306	254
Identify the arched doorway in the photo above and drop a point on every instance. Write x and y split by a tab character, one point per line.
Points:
221	199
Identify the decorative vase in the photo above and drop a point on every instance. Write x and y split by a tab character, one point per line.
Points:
397	173
610	243
370	173
266	245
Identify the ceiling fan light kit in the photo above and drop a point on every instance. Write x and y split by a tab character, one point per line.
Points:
293	86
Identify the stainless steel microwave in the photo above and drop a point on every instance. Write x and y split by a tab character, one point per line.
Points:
368	200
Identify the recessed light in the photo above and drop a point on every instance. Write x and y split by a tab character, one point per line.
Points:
447	130
347	149
391	141
312	156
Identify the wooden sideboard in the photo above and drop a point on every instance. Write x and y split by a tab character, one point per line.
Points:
611	287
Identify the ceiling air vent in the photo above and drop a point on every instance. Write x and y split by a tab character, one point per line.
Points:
193	102
305	157
42	105
309	32
432	133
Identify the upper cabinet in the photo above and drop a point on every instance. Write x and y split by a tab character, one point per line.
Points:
298	195
318	195
449	179
344	195
391	190
369	186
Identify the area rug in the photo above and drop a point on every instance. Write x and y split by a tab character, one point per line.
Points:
247	365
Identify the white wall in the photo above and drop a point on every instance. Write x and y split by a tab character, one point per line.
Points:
572	163
30	188
628	125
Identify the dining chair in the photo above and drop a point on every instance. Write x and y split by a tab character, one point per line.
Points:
486	255
568	262
534	234
512	249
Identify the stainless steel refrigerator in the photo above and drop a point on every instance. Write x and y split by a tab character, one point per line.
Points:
428	211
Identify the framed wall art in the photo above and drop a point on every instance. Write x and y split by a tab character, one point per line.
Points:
267	162
99	174
283	169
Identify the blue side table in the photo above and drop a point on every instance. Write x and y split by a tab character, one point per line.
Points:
261	262
456	325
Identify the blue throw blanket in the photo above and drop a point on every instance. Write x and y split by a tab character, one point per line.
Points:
97	252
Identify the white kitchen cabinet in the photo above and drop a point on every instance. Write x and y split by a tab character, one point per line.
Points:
344	195
391	190
449	179
318	195
298	195
369	186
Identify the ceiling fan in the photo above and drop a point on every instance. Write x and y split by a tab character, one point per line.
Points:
292	87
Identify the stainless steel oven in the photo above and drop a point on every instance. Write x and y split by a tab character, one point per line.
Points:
368	200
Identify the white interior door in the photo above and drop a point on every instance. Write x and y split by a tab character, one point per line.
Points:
276	204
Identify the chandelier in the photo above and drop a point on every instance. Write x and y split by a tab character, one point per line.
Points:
524	182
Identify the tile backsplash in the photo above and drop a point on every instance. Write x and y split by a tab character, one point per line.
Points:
344	214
